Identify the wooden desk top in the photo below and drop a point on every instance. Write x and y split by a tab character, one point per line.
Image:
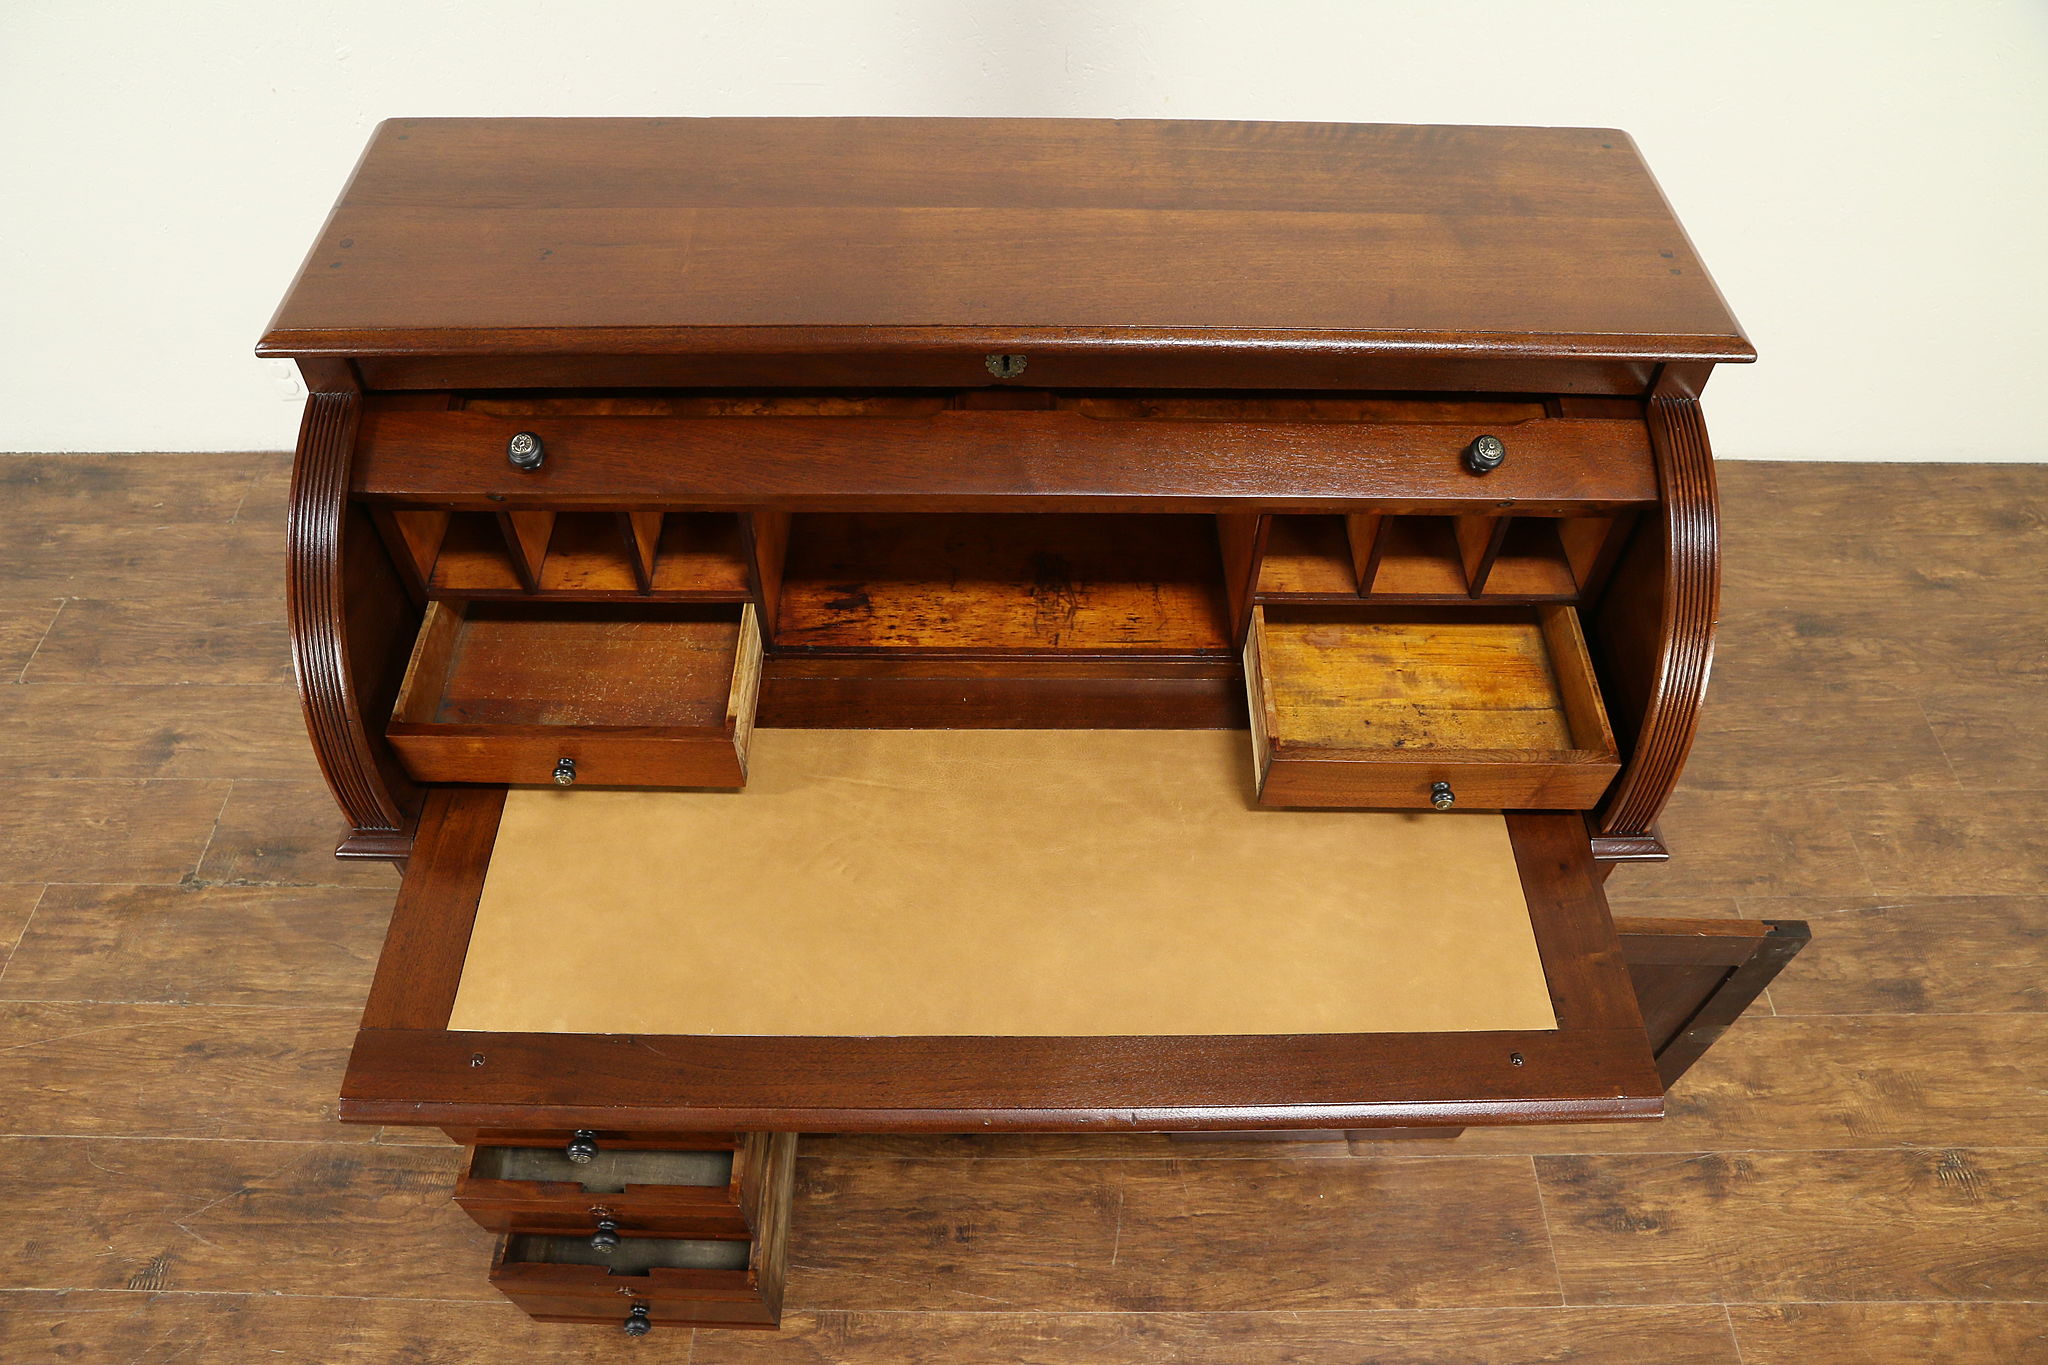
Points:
697	236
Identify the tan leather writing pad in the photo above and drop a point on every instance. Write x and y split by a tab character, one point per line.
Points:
989	883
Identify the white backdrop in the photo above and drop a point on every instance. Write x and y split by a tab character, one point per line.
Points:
1867	179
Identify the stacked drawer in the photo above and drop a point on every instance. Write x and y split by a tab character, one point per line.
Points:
639	1230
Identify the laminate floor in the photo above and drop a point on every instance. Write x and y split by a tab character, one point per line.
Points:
1857	1173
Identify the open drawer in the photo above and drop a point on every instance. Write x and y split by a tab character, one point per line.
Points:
710	1186
980	930
572	692
1469	707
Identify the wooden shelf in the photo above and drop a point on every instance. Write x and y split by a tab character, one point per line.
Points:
1529	562
1434	559
570	555
1000	584
700	555
1416	557
1307	557
589	552
471	558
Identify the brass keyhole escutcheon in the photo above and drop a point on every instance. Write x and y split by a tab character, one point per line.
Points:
1005	366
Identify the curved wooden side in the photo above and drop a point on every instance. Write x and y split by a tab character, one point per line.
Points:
1685	613
341	632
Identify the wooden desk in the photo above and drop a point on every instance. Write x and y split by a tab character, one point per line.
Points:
1331	489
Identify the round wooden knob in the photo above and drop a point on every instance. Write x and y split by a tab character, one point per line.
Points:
582	1148
1441	796
638	1323
606	1239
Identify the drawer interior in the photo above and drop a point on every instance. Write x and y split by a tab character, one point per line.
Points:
1413	680
574	664
609	1172
633	1255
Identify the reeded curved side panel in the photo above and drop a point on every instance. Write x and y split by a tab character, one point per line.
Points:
1690	610
315	603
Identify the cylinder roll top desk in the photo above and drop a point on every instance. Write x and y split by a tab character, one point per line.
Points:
939	626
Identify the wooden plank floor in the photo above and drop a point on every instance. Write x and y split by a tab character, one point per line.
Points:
1859	1173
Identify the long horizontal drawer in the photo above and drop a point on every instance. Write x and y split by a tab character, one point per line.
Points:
991	460
835	1002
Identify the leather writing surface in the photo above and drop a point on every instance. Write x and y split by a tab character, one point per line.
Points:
994	883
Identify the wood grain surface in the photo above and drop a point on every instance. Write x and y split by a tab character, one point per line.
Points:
611	236
1858	1177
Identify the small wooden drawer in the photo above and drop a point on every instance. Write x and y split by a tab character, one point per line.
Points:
1467	707
711	1191
646	1282
580	693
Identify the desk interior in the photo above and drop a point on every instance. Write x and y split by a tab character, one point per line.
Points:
994	883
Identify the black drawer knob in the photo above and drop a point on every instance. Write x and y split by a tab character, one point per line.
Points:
606	1239
1485	454
1441	796
525	451
565	772
582	1148
638	1323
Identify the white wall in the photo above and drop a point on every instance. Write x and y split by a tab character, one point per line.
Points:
1868	179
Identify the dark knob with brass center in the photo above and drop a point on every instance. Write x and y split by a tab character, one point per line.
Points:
1485	454
525	451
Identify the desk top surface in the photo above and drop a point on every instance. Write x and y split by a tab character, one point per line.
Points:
684	236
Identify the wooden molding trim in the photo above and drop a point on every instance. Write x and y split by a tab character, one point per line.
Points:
1691	607
316	609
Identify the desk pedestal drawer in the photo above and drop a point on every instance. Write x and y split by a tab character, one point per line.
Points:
713	1191
644	1281
654	1282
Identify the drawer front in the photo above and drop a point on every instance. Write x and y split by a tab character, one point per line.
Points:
1433	784
1441	707
992	460
615	1305
634	1213
482	754
710	1192
606	1139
